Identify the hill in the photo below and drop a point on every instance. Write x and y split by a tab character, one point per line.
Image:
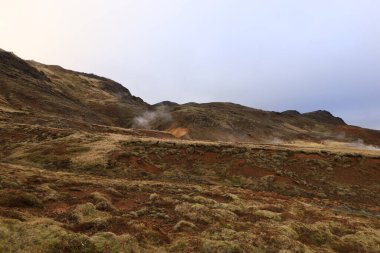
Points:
50	95
85	166
37	93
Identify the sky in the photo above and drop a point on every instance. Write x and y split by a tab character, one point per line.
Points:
270	54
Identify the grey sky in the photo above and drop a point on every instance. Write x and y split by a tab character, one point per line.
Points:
269	54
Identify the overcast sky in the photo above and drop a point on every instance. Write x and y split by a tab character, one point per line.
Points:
269	54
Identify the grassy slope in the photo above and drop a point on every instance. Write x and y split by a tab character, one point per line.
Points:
31	92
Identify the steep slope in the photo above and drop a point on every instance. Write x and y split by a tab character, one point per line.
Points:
36	93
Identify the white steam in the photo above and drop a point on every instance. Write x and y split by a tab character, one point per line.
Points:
275	140
359	144
148	119
341	136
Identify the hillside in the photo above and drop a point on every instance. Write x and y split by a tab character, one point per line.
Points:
87	167
45	94
233	122
33	92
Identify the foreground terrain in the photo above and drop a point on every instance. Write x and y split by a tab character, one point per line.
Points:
117	190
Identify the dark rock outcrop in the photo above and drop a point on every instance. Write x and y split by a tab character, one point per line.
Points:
324	117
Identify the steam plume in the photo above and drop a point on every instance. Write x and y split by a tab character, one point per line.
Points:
359	144
149	119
